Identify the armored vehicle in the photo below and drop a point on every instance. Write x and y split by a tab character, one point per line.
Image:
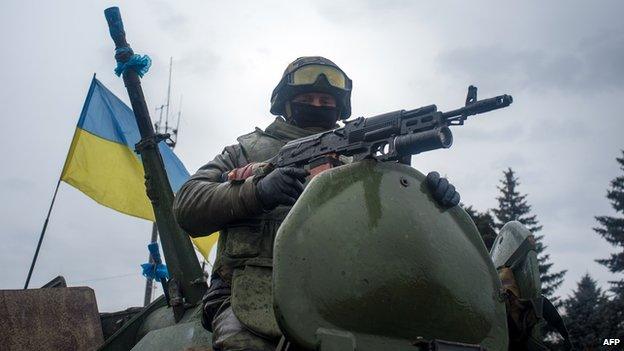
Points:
365	260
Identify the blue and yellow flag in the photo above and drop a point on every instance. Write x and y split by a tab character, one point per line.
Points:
102	163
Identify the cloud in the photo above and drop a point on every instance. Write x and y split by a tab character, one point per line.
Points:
170	19
16	185
199	62
351	12
401	54
593	66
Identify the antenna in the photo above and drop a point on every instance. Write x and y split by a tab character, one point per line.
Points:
168	93
159	109
164	108
176	131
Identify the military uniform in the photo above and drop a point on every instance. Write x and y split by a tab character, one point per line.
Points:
208	202
238	307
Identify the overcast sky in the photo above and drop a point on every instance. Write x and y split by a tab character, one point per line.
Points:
561	61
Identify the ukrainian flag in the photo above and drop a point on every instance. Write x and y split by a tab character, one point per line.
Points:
102	163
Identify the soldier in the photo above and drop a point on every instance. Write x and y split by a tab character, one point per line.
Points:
246	200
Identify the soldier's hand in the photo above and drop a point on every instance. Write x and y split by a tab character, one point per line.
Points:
443	191
281	187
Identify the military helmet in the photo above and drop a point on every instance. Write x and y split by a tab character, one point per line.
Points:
313	74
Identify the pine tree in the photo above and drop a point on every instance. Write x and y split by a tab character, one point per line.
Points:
485	224
512	206
612	230
584	317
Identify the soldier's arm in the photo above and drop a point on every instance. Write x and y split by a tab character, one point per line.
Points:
206	203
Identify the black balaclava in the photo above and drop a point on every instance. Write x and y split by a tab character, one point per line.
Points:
308	116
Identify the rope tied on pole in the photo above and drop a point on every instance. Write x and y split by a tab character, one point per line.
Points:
127	59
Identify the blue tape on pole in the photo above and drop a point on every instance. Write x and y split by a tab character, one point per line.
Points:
154	252
139	63
156	270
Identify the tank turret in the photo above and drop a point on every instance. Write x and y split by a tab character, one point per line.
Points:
367	258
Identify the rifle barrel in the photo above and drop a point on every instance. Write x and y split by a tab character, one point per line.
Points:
481	106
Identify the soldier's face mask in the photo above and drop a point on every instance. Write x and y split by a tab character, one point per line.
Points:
305	116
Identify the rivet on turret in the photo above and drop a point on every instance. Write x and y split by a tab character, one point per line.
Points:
404	182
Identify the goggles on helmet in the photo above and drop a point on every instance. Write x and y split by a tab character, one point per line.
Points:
312	74
308	75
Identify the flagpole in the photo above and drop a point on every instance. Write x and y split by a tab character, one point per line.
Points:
58	183
149	283
43	231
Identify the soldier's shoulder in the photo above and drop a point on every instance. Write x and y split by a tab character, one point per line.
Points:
254	137
256	133
258	146
243	139
243	142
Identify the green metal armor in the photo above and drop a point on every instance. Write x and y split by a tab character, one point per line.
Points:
368	260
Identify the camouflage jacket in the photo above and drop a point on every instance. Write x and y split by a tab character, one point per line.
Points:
208	202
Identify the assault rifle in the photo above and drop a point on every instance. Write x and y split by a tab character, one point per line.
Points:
392	136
